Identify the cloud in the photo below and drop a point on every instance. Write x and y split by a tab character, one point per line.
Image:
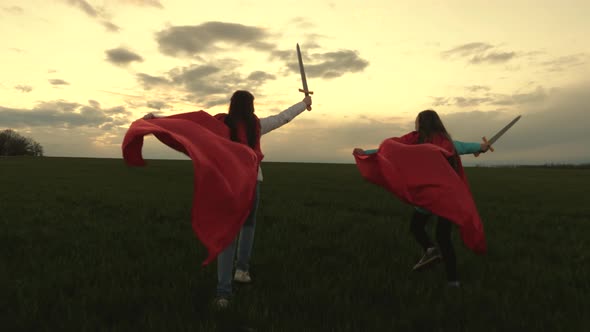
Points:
58	82
476	88
14	10
564	63
555	132
489	98
330	64
122	56
157	104
144	3
149	81
24	88
332	141
478	53
208	84
260	77
492	57
94	13
64	114
537	95
194	40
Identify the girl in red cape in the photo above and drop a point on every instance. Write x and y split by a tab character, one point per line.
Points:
226	154
430	177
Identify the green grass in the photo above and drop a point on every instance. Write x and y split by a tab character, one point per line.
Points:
90	244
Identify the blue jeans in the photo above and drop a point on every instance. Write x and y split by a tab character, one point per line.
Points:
225	260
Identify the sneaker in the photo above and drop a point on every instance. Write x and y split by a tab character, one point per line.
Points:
430	257
242	276
221	303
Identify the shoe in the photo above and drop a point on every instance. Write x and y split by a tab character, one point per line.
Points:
242	276
221	303
430	257
454	284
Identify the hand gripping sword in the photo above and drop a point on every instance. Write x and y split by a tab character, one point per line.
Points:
303	79
498	135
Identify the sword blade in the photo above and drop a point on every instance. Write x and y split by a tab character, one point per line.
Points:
502	131
302	71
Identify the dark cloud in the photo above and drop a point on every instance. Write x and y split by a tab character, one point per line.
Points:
331	64
479	53
206	84
566	62
63	114
197	39
94	13
94	103
122	56
157	105
260	77
58	82
14	10
24	88
492	57
149	81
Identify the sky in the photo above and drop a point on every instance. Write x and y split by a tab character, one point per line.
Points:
76	73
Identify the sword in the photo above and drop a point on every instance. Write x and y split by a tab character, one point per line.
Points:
498	135
303	79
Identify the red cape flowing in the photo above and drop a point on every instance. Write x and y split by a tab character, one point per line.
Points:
421	175
224	172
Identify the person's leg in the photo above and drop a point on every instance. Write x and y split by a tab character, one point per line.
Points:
225	265
246	241
418	229
443	238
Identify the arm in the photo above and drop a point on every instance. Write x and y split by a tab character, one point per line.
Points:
273	122
468	148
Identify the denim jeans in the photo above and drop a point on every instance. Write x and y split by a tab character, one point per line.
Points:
225	260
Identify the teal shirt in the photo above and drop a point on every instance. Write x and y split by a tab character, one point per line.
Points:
461	147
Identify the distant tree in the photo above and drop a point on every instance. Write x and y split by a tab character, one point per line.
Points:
14	144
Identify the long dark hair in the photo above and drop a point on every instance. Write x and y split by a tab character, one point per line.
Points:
241	110
430	124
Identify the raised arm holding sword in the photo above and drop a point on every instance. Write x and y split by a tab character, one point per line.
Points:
497	135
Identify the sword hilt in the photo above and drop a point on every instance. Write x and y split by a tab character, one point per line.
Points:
307	93
485	140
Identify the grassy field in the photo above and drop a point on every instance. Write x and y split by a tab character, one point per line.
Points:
90	244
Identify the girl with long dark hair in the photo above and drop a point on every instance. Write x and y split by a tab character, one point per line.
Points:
429	129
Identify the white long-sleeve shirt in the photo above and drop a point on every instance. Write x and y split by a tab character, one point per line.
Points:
273	122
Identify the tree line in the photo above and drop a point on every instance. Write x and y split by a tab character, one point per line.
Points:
15	144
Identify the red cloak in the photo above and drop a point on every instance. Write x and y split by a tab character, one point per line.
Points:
224	172
420	174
